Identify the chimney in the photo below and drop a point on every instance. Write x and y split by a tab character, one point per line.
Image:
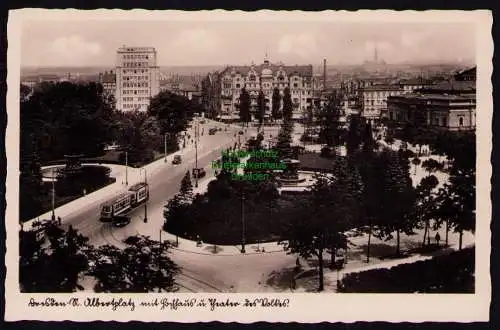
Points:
324	74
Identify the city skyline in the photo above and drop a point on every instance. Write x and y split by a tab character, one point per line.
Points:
189	43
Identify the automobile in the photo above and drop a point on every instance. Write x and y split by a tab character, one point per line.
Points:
240	132
177	160
202	121
212	131
199	173
121	220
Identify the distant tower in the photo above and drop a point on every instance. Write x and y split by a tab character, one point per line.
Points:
266	57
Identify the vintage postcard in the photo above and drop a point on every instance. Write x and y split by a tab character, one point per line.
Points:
248	166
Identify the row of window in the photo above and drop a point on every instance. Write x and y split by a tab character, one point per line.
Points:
125	71
135	64
133	105
135	57
383	94
238	86
135	91
131	99
135	84
254	78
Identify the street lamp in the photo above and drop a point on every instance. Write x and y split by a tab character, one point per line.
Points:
126	168
146	203
53	195
242	222
165	145
196	129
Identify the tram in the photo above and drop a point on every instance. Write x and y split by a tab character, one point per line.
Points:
122	204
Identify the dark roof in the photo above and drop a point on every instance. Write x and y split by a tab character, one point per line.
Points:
444	97
415	81
137	186
468	71
465	86
303	70
382	88
108	77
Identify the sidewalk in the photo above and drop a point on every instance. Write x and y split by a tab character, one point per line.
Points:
117	171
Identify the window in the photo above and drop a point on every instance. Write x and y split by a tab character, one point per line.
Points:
237	85
295	85
461	121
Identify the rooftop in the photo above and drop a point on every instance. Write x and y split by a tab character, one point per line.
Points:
302	70
441	97
382	88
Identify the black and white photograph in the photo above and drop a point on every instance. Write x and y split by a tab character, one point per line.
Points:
257	166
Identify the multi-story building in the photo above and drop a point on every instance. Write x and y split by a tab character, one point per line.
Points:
108	81
186	87
373	100
447	105
451	112
265	77
137	77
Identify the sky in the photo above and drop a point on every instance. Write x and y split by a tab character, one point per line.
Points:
180	43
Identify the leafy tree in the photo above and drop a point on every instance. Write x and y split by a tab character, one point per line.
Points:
368	141
66	118
353	135
55	266
245	116
287	104
389	138
430	165
186	190
397	198
426	203
330	132
143	266
416	161
276	99
172	112
261	107
24	92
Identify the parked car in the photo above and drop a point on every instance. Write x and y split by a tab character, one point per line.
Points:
202	121
240	132
199	173
212	131
177	160
121	220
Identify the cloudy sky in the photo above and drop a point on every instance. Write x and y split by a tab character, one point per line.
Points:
94	43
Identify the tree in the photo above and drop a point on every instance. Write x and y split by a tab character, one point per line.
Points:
276	99
143	266
353	135
66	118
416	161
24	92
397	198
330	132
186	190
319	224
55	267
287	104
172	112
426	203
261	107
430	165
368	141
245	116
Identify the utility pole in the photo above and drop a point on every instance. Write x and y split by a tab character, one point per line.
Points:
146	203
53	195
196	128
242	222
126	168
165	145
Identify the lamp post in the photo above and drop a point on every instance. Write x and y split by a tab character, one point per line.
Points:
242	222
146	203
165	145
196	128
126	168
53	195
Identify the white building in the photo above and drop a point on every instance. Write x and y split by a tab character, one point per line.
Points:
266	77
137	78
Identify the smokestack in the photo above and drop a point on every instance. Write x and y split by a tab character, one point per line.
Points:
324	74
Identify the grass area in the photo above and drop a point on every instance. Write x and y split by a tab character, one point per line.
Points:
314	162
452	273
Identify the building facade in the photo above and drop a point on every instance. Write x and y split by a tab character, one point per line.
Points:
266	77
108	82
450	112
137	77
373	100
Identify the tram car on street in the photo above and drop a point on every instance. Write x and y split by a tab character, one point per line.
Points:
122	204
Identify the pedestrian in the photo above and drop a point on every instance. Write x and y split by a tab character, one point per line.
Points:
59	220
438	238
